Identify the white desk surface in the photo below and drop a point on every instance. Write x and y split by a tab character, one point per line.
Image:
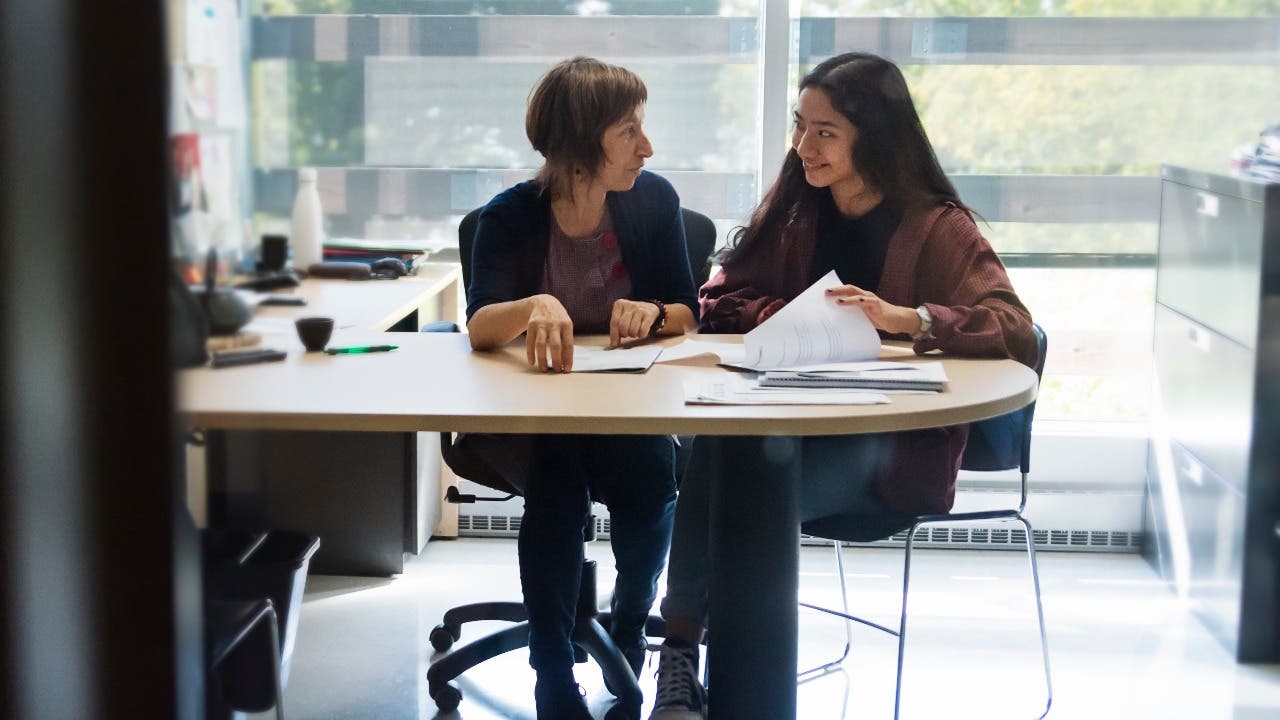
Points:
356	305
436	382
362	304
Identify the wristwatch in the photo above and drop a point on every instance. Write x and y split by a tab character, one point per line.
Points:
661	320
926	324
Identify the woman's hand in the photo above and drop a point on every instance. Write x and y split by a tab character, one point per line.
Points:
631	319
549	335
884	316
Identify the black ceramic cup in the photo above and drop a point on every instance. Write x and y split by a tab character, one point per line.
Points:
314	332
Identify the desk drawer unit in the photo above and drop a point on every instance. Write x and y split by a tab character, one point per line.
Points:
1210	254
1213	477
1206	385
1213	509
366	495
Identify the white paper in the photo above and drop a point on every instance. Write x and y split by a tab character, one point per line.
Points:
725	353
201	21
270	326
812	329
597	359
880	371
216	174
733	389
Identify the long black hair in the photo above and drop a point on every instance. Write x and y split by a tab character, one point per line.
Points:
890	151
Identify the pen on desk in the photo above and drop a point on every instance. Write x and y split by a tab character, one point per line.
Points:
360	349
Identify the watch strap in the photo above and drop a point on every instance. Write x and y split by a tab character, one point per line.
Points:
661	321
926	324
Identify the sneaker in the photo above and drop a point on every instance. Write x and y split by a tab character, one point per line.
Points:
680	693
560	699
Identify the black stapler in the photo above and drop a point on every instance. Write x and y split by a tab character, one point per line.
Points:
270	281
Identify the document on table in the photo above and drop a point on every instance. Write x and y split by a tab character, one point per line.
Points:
923	376
734	389
731	354
808	330
598	359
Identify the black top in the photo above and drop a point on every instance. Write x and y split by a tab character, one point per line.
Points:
510	248
854	247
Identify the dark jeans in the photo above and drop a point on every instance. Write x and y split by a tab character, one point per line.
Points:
837	476
634	476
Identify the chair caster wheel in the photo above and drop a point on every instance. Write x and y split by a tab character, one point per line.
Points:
447	697
441	639
622	711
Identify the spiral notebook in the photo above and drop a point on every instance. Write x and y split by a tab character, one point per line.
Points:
929	376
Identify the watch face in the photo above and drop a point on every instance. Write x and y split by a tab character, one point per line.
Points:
926	321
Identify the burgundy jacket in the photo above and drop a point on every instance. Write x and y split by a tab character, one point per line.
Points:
938	258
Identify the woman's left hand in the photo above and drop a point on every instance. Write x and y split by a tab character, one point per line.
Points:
631	319
884	316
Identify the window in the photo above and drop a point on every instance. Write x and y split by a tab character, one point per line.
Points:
1052	117
415	119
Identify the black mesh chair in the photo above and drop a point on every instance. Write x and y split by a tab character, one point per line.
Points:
1000	443
590	636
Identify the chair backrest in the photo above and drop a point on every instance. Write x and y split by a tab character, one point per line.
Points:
467	236
700	240
699	237
1004	442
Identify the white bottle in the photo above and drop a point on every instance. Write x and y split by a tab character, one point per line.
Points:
308	222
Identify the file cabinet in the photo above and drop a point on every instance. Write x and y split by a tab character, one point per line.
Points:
1213	471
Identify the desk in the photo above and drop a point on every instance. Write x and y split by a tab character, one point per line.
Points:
370	496
755	540
376	305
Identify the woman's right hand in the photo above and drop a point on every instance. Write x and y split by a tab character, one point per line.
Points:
549	335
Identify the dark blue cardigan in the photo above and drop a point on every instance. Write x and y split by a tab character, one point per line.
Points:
510	249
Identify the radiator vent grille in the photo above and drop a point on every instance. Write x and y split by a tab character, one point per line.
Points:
991	538
508	526
997	538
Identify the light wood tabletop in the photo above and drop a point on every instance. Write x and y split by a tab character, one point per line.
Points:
360	305
435	382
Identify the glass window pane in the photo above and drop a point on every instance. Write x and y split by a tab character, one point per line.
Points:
1054	125
418	118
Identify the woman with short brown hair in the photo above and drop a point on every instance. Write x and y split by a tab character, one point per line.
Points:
594	244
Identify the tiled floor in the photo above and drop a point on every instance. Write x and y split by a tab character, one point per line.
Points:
1121	645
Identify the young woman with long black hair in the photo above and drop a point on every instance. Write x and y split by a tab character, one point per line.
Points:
861	192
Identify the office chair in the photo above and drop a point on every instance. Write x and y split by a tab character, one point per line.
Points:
590	636
999	443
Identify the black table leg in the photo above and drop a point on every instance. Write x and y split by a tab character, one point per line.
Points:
755	555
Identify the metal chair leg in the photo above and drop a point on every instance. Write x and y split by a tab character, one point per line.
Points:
1035	580
902	620
848	624
1044	638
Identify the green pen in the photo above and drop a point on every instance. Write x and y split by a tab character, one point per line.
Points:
360	349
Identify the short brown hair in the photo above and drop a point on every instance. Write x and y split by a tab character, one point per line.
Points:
569	110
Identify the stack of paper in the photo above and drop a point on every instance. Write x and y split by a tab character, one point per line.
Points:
734	389
598	359
927	376
809	329
811	352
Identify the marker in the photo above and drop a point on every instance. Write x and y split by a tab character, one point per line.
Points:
360	349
